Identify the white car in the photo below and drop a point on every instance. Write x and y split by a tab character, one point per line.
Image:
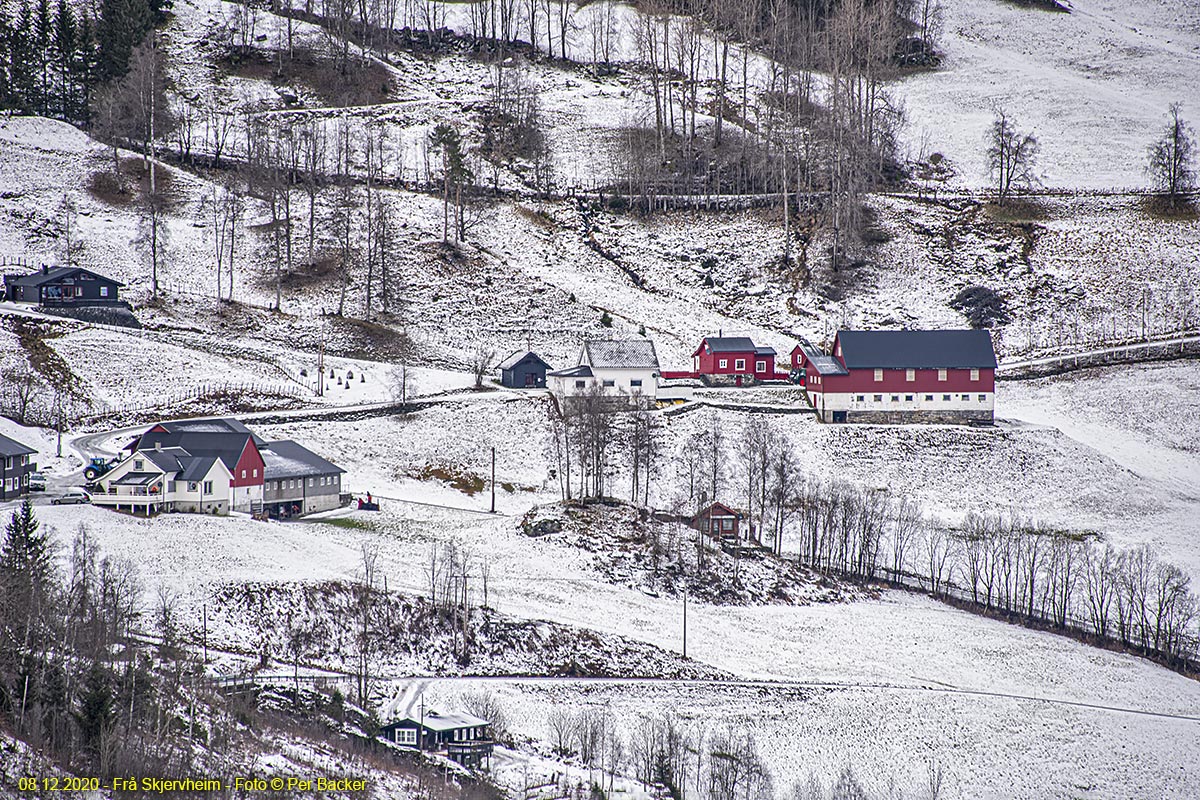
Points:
37	482
73	495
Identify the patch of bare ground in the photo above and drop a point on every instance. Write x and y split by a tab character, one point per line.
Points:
33	335
129	184
1018	210
360	83
1181	209
630	547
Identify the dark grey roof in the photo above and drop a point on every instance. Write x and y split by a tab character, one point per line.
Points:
169	459
620	354
764	351
823	364
195	469
286	459
55	274
518	357
944	349
435	721
137	478
226	446
11	447
581	371
205	426
730	344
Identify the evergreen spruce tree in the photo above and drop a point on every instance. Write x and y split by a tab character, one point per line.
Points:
43	38
66	44
122	25
96	707
25	565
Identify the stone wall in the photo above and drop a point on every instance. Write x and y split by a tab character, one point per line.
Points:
920	417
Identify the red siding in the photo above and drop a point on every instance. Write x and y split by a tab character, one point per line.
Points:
709	363
925	380
251	461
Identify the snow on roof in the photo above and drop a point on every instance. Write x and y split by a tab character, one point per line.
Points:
518	357
823	364
49	274
286	459
137	478
205	426
948	349
436	721
620	354
11	447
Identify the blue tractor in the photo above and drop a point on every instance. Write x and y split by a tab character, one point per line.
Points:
97	467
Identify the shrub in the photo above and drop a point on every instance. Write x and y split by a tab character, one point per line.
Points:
982	307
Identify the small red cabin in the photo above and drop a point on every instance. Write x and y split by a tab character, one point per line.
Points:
719	521
735	356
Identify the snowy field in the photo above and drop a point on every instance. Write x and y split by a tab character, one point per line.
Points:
883	660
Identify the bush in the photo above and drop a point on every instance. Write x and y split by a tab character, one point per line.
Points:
982	307
606	320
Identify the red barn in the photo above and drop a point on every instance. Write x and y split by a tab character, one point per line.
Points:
946	376
734	356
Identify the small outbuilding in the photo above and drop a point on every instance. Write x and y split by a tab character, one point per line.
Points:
524	369
62	286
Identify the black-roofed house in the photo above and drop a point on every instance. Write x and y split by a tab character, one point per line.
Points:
524	369
934	376
15	466
462	737
62	286
623	368
298	481
735	359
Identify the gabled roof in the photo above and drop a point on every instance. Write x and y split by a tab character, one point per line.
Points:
764	351
227	446
823	364
941	349
518	357
620	354
194	469
53	274
729	344
11	447
581	371
719	507
203	426
286	459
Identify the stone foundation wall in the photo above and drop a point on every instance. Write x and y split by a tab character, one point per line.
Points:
919	417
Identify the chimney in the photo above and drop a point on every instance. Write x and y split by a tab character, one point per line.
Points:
45	269
158	446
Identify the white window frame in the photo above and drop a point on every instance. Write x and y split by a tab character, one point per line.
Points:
722	363
760	366
739	364
910	374
974	374
406	736
878	375
208	487
941	374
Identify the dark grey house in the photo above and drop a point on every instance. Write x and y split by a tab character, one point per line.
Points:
62	286
461	737
297	481
524	369
15	467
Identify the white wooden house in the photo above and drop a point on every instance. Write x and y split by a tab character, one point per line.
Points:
625	368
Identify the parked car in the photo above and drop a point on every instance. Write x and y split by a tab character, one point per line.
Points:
37	482
73	495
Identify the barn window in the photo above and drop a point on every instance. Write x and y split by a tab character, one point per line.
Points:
760	366
966	397
946	397
256	472
740	364
910	374
243	473
861	398
878	398
928	398
908	398
723	363
983	398
974	374
941	374
878	374
895	398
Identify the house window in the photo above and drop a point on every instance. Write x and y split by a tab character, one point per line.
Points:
191	486
138	464
895	398
908	398
941	374
406	735
760	366
910	374
983	398
243	473
608	384
946	397
723	363
580	384
974	374
861	398
740	364
727	524
104	291
208	487
878	375
878	398
256	472
928	398
966	397
635	383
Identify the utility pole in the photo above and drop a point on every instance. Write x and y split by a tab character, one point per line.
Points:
204	636
685	622
493	480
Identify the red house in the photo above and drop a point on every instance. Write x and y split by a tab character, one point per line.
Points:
943	376
734	356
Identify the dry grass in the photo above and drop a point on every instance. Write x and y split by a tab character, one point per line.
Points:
1018	210
1184	209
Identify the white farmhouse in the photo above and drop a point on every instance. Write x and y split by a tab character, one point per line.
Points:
626	367
166	479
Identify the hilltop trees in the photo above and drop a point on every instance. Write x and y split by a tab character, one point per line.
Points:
1171	159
